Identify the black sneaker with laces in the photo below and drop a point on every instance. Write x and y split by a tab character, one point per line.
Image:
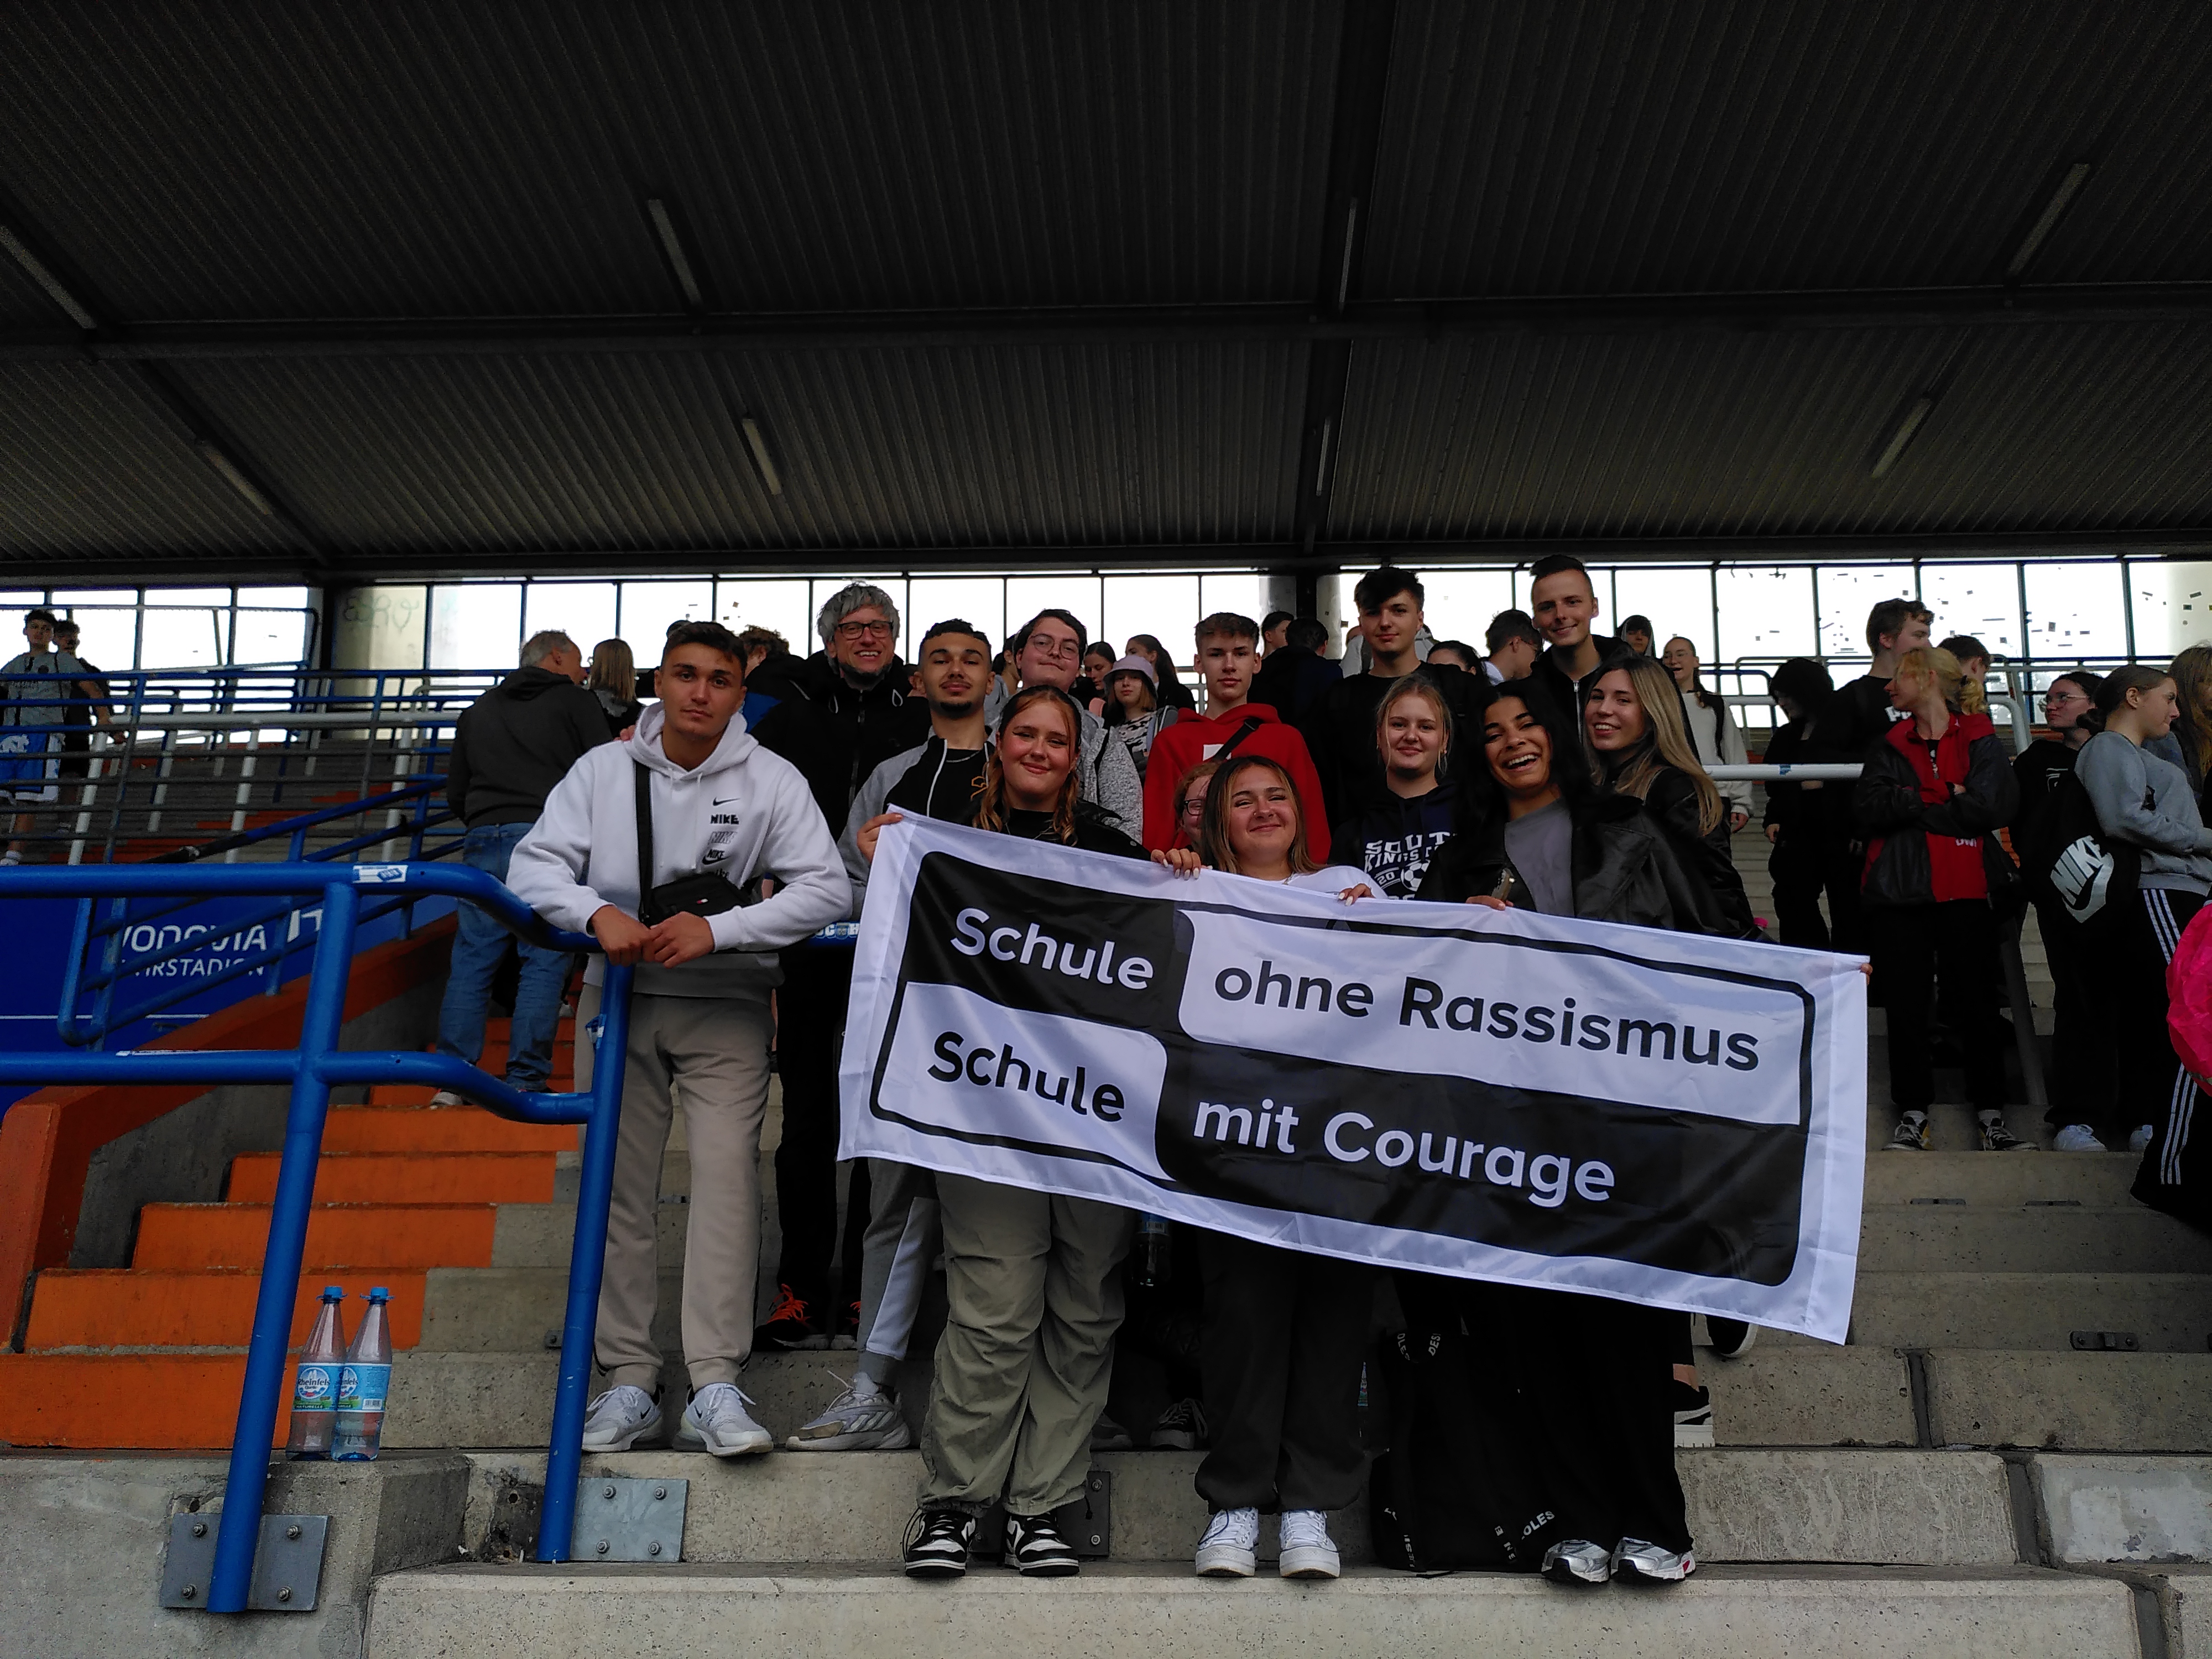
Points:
1995	1137
1036	1549
790	1325
1181	1427
937	1543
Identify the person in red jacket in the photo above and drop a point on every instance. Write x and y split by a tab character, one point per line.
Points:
1228	656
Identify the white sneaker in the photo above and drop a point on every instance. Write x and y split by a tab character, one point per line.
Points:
619	1419
865	1417
1230	1548
2077	1138
2140	1140
716	1421
447	1097
1307	1550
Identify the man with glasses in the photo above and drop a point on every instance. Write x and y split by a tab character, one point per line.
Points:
1049	651
848	711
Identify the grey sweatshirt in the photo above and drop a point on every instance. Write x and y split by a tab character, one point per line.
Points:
2147	803
1107	773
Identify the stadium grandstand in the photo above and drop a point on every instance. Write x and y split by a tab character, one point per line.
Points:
359	363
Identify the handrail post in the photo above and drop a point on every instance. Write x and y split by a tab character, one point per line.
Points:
587	1261
320	1028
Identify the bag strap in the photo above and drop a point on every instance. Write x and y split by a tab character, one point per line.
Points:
644	830
1251	725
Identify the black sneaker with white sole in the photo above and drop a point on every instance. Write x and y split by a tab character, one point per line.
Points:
1732	1337
1036	1549
937	1543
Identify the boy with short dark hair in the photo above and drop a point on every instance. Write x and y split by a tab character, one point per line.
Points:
1562	603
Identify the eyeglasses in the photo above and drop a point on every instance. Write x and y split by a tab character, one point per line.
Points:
1066	651
1195	809
855	631
2050	697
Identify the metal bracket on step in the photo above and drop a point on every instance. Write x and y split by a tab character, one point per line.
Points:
287	1566
622	1518
2106	1342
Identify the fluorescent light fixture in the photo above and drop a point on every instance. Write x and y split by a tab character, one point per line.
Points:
228	469
1908	424
2069	187
35	267
758	445
672	244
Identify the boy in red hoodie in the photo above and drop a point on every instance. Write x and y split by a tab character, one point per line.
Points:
1228	657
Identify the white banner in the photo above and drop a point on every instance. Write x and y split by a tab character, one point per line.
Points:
1660	1117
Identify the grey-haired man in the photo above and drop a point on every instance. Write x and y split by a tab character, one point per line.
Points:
850	709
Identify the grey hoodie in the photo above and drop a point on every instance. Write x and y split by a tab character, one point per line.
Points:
1108	776
2147	803
744	812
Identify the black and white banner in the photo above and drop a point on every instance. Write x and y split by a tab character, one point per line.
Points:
1498	1095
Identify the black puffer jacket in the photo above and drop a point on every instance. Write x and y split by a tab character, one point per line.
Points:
1627	869
1674	802
1890	808
837	735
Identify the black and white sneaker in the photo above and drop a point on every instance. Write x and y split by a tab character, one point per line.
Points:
1911	1135
1995	1137
1181	1427
1036	1549
1578	1562
1693	1416
937	1543
1732	1337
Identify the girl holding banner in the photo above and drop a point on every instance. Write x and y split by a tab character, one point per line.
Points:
1034	1298
1285	1331
1591	1493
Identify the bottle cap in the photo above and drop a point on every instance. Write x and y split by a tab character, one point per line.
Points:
378	1293
333	1293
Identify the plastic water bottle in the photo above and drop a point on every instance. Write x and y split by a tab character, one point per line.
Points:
363	1382
1155	1250
315	1384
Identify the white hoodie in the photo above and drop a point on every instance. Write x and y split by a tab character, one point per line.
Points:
745	813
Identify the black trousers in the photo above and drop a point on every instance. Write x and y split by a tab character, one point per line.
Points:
1286	1336
2084	1062
1592	1381
2155	1088
1914	945
809	1036
1800	873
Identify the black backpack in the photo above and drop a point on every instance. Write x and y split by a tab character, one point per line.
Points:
2074	870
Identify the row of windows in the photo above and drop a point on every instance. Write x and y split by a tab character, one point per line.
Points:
126	628
2043	613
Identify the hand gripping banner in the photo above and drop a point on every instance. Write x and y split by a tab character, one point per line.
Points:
1499	1095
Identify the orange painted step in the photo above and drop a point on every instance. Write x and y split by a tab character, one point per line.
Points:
207	1308
382	1128
405	1178
390	1237
127	1401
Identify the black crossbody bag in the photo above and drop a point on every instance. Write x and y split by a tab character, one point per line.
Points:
702	893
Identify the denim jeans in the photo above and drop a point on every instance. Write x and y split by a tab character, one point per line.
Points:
477	949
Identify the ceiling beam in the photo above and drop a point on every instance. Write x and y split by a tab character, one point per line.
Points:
1375	321
448	564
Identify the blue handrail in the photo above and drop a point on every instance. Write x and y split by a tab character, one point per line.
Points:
312	1069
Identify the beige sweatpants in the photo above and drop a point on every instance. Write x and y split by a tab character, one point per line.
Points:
713	1053
1028	1349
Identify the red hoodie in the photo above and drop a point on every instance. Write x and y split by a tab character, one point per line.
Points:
1191	740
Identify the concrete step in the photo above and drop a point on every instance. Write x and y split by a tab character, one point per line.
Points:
1882	1508
2140	1402
2099	1181
205	1308
380	1127
2031	1238
768	1613
405	1177
2167	1313
338	1236
2132	1511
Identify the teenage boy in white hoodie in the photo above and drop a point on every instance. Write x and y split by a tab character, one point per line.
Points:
699	1017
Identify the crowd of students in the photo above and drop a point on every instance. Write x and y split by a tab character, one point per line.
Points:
1557	769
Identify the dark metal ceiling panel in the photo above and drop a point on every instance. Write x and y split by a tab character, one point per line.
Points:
463	157
90	468
23	303
1581	146
485	457
2047	429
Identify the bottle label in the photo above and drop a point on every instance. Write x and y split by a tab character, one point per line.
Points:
363	1387
314	1389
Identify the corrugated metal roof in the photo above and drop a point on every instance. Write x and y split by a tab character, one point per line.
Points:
1583	147
258	158
882	449
90	468
2057	429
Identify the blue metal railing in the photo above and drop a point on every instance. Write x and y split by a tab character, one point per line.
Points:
312	1069
108	936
